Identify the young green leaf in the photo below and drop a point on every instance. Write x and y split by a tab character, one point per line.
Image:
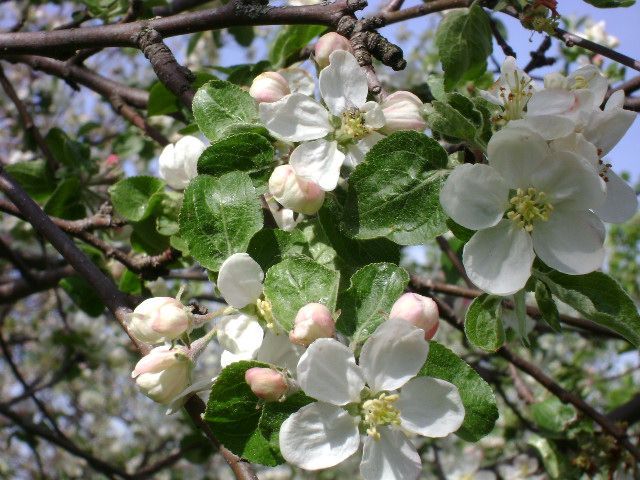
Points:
481	411
292	39
483	325
547	306
296	281
464	42
35	177
270	246
219	216
599	298
135	198
366	304
395	192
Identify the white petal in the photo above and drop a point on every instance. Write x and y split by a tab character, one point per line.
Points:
606	128
550	101
240	280
318	161
373	115
276	349
621	203
516	154
393	457
577	144
299	80
597	84
188	150
240	333
549	127
475	196
227	358
569	181
571	241
430	407
357	151
295	118
393	354
499	259
343	84
328	372
318	436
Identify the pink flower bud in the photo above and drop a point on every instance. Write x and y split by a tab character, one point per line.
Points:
419	311
163	373
313	321
269	87
266	383
159	319
327	43
402	111
112	160
294	192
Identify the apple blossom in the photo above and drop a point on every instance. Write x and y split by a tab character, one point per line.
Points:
160	319
327	44
327	432
179	161
294	192
419	311
163	373
512	90
299	80
524	467
402	111
285	218
269	87
267	383
312	321
546	196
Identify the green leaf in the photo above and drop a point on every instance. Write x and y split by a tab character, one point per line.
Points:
463	234
395	192
366	304
482	323
222	108
242	423
478	399
244	35
247	152
219	216
292	39
552	415
70	153
35	177
464	42
599	298
611	3
547	306
146	238
83	295
163	101
135	198
271	246
450	123
296	281
66	200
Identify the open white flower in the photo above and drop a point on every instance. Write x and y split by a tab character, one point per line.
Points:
342	132
179	161
529	199
324	433
512	90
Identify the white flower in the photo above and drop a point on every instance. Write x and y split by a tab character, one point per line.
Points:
512	90
324	433
285	218
299	80
159	319
595	31
467	467
546	196
350	122
163	373
402	111
523	468
179	162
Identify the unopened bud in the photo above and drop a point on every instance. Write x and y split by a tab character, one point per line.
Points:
294	192
159	319
402	111
266	383
179	161
555	80
163	373
269	87
328	43
312	321
419	311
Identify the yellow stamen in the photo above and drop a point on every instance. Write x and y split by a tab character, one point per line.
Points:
528	207
379	412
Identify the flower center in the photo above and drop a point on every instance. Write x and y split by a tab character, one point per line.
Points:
604	170
580	81
379	412
514	100
353	126
529	206
265	312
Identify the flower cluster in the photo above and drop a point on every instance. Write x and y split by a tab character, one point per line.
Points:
546	188
327	135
